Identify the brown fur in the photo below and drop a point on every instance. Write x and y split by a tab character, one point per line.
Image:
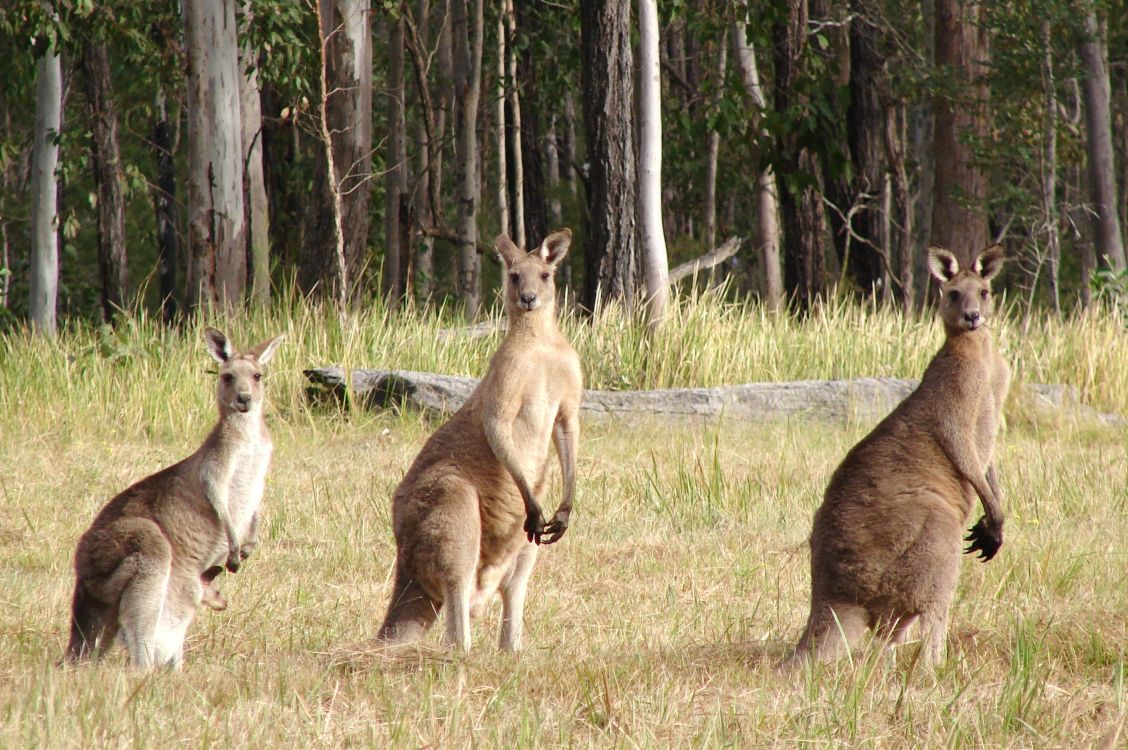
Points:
885	543
152	554
467	510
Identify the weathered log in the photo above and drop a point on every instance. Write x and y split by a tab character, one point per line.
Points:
866	399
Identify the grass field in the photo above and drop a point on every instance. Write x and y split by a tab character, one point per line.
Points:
654	623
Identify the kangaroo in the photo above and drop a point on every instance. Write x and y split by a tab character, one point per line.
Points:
465	517
885	541
151	556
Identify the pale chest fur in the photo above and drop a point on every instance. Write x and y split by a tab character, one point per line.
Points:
233	472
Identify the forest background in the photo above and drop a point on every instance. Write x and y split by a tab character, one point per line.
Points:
156	155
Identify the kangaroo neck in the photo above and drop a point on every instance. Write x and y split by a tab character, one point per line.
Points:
237	426
968	343
534	323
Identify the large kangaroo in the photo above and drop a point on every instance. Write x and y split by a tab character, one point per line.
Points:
151	556
886	540
467	510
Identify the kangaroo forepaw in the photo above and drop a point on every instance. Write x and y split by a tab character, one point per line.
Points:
985	538
534	525
234	560
556	528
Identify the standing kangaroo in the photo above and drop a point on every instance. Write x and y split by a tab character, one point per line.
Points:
466	512
152	554
886	540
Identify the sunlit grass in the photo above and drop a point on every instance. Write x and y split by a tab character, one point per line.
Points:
654	623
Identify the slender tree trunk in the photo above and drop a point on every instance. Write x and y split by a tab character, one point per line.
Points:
533	141
44	195
714	149
340	207
1098	128
1049	168
254	197
767	195
395	180
429	147
959	221
164	203
552	156
921	146
106	159
651	238
518	186
217	240
467	26
611	262
902	237
504	218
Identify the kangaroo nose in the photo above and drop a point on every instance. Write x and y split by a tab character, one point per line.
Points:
972	317
243	399
528	298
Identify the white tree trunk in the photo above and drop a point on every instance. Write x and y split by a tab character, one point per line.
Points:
216	220
258	208
44	195
1098	128
652	239
714	155
1049	168
395	182
767	195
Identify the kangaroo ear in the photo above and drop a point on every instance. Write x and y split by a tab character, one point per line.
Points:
508	251
555	246
218	345
264	351
989	262
942	263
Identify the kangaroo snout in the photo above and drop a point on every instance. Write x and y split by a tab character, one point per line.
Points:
528	300
973	318
243	402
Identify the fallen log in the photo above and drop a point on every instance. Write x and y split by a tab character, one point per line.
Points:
866	399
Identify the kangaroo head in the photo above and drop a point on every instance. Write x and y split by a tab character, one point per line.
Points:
965	295
239	388
529	282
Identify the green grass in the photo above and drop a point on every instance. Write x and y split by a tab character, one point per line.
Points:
654	623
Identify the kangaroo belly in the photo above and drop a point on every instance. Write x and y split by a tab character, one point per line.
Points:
248	482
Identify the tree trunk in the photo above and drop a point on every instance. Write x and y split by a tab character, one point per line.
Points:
651	238
801	206
902	239
217	241
1049	168
164	203
865	128
714	149
395	179
504	218
467	26
44	195
959	221
1098	129
106	159
517	205
254	197
345	159
611	263
921	144
767	194
428	191
533	143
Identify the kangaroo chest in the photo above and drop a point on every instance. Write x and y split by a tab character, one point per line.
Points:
246	484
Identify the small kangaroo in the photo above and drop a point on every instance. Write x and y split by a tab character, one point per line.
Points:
886	540
151	556
466	513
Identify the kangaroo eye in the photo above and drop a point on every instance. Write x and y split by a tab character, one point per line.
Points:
953	296
228	378
544	277
983	294
514	278
258	376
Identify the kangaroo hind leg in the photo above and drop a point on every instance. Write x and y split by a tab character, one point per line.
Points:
143	598
513	588
411	613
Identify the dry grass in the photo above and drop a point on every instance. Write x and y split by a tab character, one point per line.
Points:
654	623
